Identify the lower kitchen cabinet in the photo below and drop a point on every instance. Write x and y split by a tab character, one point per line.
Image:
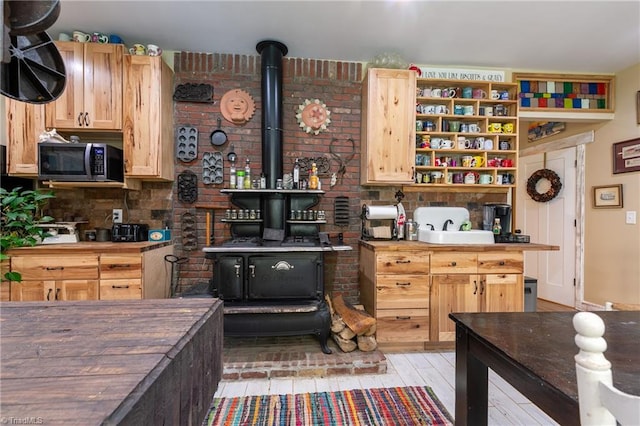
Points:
394	288
411	288
90	275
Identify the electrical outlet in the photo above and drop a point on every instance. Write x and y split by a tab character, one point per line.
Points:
116	215
631	217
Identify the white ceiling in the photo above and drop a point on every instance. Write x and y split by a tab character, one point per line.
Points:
552	36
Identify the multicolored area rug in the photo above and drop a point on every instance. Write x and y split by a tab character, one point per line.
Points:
413	405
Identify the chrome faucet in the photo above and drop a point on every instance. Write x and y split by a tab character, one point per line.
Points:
446	224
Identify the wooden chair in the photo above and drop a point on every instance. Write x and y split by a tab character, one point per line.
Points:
600	402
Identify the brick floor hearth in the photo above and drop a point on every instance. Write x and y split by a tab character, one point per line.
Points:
301	356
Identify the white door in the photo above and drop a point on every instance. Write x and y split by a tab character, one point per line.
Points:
552	223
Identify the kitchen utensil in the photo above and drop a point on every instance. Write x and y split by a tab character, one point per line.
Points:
103	234
218	136
186	143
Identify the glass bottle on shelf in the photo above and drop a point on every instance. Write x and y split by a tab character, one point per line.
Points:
240	179
313	177
232	175
296	175
497	228
247	174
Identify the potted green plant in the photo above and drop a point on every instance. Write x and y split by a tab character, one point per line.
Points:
20	218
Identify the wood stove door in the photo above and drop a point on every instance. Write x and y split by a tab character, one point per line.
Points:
285	276
229	277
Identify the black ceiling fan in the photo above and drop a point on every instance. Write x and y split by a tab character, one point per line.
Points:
32	68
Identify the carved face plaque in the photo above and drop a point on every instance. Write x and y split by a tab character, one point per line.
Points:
237	106
313	116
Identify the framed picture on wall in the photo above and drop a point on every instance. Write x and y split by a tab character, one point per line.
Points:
607	197
626	156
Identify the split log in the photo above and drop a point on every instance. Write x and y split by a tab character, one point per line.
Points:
367	343
337	325
357	321
371	331
347	333
347	345
328	299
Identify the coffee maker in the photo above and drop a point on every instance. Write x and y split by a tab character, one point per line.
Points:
500	211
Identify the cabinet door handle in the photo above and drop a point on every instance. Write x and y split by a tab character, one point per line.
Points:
49	294
86	119
80	119
454	263
403	318
481	287
501	263
404	284
54	268
252	270
475	287
57	293
120	286
237	267
124	265
403	261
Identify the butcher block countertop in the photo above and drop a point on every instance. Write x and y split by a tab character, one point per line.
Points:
91	247
419	245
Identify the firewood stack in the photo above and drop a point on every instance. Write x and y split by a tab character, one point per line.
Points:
351	328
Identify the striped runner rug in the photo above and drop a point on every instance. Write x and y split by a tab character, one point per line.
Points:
399	406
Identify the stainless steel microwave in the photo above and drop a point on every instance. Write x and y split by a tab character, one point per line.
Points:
80	162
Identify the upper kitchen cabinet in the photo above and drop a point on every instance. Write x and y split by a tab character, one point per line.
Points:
92	98
388	127
148	118
24	124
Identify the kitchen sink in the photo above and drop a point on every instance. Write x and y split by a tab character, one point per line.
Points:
475	236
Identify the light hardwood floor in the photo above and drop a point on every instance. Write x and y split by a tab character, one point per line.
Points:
435	369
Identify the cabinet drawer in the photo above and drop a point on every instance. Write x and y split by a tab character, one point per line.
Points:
402	291
56	267
500	263
402	263
402	325
454	263
120	266
120	289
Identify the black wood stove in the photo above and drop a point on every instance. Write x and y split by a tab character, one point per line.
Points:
271	274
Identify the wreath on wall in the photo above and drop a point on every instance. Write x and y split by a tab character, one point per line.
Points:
553	190
313	116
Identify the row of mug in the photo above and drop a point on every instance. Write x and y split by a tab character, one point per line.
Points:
467	178
96	37
464	93
462	142
149	49
464	127
484	110
463	161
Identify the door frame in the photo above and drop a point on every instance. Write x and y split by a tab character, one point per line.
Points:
578	141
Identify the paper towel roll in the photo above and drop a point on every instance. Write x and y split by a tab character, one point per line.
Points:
381	212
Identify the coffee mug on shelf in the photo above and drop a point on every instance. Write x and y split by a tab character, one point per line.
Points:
426	92
99	38
442	109
445	161
115	39
153	50
436	93
454	126
458	110
458	177
419	125
485	179
65	37
138	49
474	128
506	162
495	95
507	128
508	179
426	178
504	95
467	161
479	94
464	127
504	145
435	143
478	143
501	111
495	128
464	143
429	126
499	178
449	178
467	92
446	144
488	111
81	37
478	161
428	109
494	162
470	178
437	177
449	92
488	144
468	110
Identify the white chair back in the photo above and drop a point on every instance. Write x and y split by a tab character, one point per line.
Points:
600	402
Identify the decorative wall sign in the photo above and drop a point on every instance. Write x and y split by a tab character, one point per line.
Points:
543	129
191	92
313	116
626	156
237	106
462	74
607	197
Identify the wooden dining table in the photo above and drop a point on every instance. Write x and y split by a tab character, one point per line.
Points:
534	352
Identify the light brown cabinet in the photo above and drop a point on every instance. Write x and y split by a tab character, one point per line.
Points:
473	282
388	127
479	125
24	123
92	98
394	288
148	118
91	275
